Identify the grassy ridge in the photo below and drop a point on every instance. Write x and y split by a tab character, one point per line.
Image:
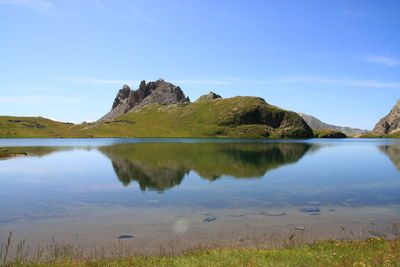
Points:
373	252
11	127
211	119
237	117
328	133
370	135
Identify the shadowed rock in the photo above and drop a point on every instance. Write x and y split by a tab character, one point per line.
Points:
208	97
390	123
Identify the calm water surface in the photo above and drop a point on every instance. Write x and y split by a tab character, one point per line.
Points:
150	193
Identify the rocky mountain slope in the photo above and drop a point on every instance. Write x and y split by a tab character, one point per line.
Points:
159	92
319	125
160	109
390	123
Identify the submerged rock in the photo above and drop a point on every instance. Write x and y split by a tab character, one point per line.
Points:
125	236
210	219
308	209
274	213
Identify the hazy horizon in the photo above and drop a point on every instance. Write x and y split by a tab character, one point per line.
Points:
338	61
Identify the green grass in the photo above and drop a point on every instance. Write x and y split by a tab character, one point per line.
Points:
237	117
372	252
370	135
33	127
328	133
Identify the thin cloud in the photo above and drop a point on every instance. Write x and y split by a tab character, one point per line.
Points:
109	12
142	16
307	79
43	6
131	14
343	82
137	82
106	82
382	60
204	82
37	100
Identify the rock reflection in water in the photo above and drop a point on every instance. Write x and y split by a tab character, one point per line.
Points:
393	152
164	165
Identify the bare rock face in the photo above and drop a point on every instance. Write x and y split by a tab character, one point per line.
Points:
390	123
208	97
159	92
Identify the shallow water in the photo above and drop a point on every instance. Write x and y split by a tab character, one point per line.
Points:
152	193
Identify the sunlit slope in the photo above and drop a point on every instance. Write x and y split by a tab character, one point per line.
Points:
11	126
238	117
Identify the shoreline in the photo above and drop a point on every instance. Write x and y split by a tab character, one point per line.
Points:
369	252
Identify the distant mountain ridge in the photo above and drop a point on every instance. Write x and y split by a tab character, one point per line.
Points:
315	123
390	123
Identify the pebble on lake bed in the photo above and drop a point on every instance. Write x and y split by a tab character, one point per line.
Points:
301	228
125	236
209	219
274	213
308	209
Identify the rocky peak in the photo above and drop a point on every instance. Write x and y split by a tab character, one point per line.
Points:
121	96
208	97
160	92
390	123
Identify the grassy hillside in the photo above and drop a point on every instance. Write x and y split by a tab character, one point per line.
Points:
371	135
33	127
237	117
328	134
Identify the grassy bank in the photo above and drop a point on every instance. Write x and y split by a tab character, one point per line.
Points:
372	252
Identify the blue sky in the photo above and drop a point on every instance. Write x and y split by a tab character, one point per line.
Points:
336	60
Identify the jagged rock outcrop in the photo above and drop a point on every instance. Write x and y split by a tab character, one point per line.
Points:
159	92
390	123
208	97
315	123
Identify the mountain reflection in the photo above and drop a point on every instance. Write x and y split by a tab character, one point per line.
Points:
162	166
393	151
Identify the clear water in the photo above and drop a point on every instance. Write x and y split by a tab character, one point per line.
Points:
197	191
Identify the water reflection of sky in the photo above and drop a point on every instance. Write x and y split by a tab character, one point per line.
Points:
350	173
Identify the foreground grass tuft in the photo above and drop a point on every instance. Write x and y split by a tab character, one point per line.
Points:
372	252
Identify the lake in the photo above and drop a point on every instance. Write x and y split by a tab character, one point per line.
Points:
169	194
